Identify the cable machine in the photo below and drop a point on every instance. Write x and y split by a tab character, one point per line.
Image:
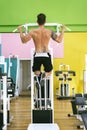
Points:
64	76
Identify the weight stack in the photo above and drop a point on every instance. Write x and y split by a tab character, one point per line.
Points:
42	116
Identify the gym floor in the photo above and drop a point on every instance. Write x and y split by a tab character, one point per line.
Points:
21	112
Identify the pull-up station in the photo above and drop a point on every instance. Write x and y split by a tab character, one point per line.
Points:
42	110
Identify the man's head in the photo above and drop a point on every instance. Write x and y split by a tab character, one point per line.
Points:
41	19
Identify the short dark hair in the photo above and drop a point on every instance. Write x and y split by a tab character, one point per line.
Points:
41	18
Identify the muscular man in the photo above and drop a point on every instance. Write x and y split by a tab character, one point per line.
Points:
41	37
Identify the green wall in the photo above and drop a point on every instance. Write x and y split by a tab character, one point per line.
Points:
17	12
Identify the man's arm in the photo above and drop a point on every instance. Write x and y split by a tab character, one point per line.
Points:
24	38
58	38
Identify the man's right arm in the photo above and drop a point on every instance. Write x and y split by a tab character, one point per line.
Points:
58	38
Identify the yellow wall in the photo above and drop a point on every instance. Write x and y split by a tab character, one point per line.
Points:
75	48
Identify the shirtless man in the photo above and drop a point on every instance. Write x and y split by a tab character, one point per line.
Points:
41	37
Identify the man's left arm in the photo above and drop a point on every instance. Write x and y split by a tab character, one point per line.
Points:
24	38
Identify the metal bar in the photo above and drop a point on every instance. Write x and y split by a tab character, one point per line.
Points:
5	101
47	24
45	94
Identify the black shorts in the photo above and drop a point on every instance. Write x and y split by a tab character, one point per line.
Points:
42	60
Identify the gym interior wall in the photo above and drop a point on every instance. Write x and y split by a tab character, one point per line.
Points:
71	13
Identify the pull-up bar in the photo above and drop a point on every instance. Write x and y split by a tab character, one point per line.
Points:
47	24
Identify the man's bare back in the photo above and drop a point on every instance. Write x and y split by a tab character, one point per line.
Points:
41	37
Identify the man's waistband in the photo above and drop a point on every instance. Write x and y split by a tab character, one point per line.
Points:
41	54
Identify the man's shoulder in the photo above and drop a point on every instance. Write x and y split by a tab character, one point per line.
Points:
32	31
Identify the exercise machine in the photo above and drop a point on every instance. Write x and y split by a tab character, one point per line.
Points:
64	76
79	107
5	68
84	119
5	83
3	101
13	73
42	111
42	108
